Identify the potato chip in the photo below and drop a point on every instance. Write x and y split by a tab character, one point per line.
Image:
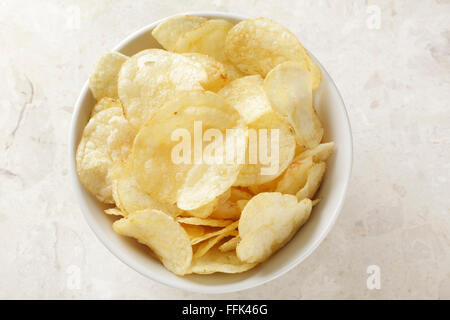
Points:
315	175
229	245
295	176
159	231
268	222
208	38
106	103
237	194
190	185
288	87
217	74
152	77
315	202
103	79
107	138
228	208
320	153
205	222
129	196
205	246
194	231
168	31
248	97
264	187
216	261
114	212
203	211
207	236
241	204
255	46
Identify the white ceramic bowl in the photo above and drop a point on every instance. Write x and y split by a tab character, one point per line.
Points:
331	110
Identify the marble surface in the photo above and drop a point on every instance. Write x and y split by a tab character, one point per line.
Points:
391	61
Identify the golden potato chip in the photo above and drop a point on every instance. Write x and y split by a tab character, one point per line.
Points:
159	231
205	246
320	153
209	235
203	211
241	204
256	46
208	38
194	231
279	142
217	74
151	77
107	138
315	202
183	181
229	245
237	194
216	261
204	222
103	79
268	222
226	210
269	186
294	178
288	87
248	97
114	212
129	196
106	103
168	31
315	175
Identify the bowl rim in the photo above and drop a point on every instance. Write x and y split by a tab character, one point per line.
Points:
197	287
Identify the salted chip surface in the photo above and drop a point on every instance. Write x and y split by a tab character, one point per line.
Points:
106	139
217	74
288	87
168	31
129	196
256	46
158	159
159	231
315	175
268	222
216	261
295	176
152	77
103	79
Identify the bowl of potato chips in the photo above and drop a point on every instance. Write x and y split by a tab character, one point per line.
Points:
210	152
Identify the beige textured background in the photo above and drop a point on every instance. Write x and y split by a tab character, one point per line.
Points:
396	84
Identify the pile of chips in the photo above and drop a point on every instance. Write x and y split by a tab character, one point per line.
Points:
205	217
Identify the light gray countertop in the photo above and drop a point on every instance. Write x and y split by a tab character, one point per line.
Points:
394	77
